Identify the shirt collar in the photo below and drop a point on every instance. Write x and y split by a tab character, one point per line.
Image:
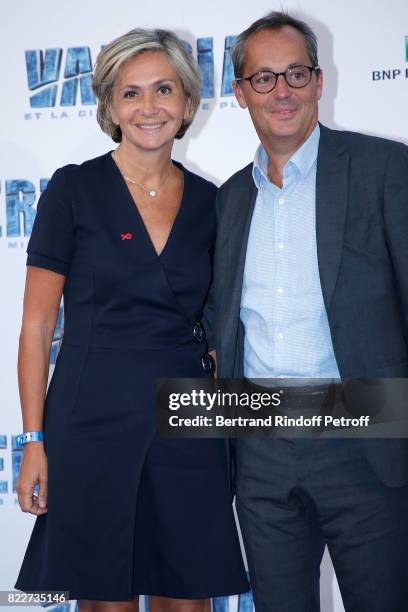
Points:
303	159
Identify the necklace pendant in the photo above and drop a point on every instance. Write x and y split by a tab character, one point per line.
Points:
152	193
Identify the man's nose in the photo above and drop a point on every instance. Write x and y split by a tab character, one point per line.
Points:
282	89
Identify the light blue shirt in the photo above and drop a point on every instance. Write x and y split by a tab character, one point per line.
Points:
286	328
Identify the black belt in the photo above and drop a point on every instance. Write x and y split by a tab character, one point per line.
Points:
308	397
296	398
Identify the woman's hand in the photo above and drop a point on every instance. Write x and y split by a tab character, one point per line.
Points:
33	471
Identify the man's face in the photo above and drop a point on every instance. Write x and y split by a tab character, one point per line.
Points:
285	116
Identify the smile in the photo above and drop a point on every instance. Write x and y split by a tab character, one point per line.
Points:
150	126
285	112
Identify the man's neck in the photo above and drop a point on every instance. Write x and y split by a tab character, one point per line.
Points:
279	153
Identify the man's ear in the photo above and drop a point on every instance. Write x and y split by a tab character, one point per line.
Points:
239	94
319	82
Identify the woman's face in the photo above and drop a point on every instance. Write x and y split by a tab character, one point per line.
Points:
148	101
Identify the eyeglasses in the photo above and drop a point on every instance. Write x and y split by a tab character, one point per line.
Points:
295	76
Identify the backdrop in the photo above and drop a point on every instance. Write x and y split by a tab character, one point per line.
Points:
47	50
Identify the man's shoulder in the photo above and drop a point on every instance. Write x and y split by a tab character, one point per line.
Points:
359	143
238	181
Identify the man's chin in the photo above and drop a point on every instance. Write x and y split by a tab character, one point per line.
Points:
284	131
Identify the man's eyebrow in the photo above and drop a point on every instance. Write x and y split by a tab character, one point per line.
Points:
269	69
294	64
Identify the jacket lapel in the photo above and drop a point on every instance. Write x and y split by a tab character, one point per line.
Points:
239	239
331	207
237	245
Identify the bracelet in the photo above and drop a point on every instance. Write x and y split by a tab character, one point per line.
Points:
30	436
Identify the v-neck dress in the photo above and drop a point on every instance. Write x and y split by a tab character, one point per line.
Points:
128	512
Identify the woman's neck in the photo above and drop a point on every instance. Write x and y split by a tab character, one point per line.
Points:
145	167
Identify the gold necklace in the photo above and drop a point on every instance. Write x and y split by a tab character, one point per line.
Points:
151	192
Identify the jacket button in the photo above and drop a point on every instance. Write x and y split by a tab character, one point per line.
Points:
198	332
206	363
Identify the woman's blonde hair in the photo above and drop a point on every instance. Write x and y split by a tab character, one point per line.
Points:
137	41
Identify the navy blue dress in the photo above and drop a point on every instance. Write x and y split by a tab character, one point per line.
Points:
128	513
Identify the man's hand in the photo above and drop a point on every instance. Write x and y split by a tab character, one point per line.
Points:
213	355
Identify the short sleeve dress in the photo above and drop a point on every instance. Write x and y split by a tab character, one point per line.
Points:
128	512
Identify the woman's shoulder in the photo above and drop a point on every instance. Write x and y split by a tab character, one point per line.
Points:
74	179
85	170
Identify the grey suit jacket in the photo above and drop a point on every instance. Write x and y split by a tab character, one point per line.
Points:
362	246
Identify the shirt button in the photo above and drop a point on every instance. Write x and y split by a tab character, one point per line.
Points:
281	200
279	290
280	245
280	336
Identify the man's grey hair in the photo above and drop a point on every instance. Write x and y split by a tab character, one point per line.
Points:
275	20
135	42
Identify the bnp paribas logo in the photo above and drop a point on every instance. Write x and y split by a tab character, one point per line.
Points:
392	74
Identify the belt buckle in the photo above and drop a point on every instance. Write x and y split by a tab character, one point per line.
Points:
303	400
283	400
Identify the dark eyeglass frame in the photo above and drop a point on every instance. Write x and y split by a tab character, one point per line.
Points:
278	74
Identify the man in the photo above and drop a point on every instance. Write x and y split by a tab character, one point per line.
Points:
311	281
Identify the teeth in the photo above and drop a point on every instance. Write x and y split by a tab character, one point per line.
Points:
150	127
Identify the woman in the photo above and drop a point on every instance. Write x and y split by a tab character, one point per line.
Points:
127	238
